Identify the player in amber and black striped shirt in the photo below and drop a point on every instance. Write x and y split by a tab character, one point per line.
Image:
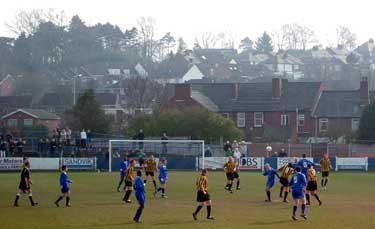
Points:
203	198
286	171
325	164
230	168
312	186
150	168
129	177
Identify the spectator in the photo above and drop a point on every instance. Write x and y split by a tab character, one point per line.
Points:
9	138
12	147
208	152
53	146
45	146
274	154
40	146
60	145
89	138
141	136
164	149
68	136
235	144
227	149
63	135
242	146
237	154
3	148
83	137
20	143
134	145
282	153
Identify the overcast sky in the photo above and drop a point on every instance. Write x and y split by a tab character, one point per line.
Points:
190	18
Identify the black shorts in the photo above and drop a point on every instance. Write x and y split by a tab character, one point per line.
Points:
312	186
325	173
141	161
201	197
150	174
128	183
284	182
230	176
236	175
23	186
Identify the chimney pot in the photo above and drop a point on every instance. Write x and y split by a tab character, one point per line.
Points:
182	91
276	88
364	92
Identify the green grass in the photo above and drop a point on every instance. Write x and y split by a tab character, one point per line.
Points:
348	203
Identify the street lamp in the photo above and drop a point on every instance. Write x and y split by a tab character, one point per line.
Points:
74	87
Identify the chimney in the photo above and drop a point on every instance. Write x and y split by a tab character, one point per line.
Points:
364	92
234	90
182	91
276	88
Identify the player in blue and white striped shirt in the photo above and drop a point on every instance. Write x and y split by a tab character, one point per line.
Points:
163	177
64	186
123	167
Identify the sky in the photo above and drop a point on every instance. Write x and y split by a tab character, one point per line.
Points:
191	18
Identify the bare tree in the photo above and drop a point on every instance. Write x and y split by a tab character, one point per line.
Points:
147	33
294	36
346	38
28	21
207	40
226	40
143	93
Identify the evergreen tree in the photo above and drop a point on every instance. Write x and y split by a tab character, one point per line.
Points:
246	44
264	43
87	114
366	129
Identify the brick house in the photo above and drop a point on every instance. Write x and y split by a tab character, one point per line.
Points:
28	117
340	110
280	110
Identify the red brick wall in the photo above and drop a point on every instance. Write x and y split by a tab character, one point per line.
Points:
20	116
342	124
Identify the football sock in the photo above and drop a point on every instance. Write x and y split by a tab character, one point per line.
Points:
322	182
303	209
268	195
325	182
281	191
198	209
230	186
127	195
159	189
31	199
163	190
317	197
67	200
145	181
17	198
138	214
154	182
294	210
238	184
59	199
308	198
285	195
208	211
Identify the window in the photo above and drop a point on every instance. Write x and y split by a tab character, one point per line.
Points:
355	123
301	120
12	122
241	119
285	120
225	115
258	119
323	124
27	122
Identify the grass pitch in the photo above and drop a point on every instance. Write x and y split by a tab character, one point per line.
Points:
349	202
